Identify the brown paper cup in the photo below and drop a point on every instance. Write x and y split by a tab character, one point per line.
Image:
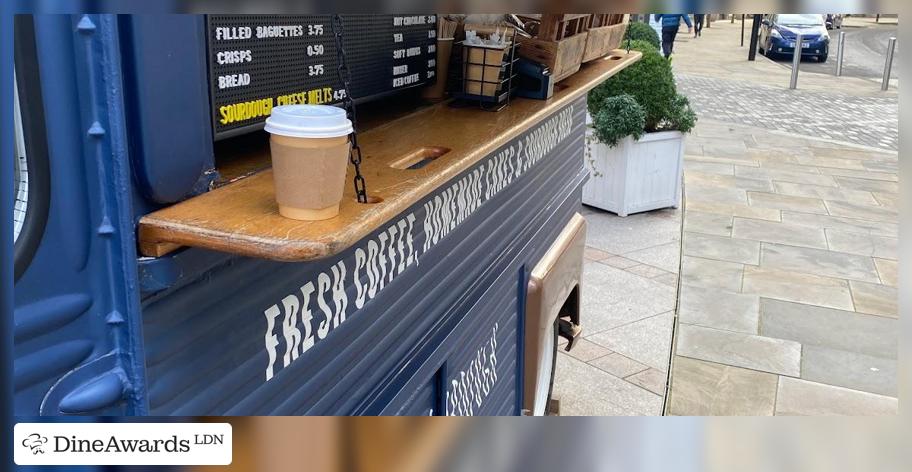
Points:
309	175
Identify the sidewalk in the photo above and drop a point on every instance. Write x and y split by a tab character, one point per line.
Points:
787	302
788	282
620	367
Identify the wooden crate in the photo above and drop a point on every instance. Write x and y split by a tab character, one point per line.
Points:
559	43
606	32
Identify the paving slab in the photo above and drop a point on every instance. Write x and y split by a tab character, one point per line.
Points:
714	194
650	379
584	390
883	247
707	388
798	287
888	200
827	193
613	297
746	160
843	224
721	248
782	233
729	210
618	365
802	397
586	350
861	177
708	223
647	341
644	270
875	299
849	369
594	254
618	235
813	325
708	167
887	270
708	273
818	262
777	356
694	177
872	183
862	212
666	256
713	308
786	202
783	175
667	279
827	161
619	262
725	148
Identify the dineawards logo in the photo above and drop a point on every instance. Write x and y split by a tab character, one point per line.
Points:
122	443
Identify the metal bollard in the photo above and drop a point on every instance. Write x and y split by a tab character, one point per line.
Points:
796	61
888	65
840	45
742	29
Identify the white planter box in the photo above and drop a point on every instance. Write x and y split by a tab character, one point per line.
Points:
635	176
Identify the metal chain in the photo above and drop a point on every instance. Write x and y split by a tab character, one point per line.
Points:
349	104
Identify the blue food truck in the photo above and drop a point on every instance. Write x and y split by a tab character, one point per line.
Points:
154	276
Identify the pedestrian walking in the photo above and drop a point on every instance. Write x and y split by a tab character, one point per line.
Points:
670	24
698	24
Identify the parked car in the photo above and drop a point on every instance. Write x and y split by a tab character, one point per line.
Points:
778	32
834	20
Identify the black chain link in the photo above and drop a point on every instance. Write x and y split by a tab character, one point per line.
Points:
349	105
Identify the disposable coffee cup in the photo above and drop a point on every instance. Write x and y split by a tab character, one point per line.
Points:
310	152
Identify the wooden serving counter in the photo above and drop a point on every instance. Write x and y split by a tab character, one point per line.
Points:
242	217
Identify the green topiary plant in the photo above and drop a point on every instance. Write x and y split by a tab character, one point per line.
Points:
649	80
617	118
680	117
640	45
642	31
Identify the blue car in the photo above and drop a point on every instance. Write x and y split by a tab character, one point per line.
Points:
777	36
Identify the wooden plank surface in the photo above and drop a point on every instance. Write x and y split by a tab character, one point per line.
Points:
242	217
602	40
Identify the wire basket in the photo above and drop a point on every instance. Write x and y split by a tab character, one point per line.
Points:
486	75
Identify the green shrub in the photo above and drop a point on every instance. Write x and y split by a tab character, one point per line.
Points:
640	45
642	31
680	117
649	80
617	118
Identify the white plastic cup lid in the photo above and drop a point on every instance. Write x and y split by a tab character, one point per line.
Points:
308	121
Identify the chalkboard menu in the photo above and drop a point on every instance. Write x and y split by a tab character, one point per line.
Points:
257	62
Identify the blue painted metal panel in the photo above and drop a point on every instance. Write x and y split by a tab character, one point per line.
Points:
275	345
76	316
166	88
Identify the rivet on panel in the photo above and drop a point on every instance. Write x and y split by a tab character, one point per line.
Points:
114	318
86	25
105	228
96	129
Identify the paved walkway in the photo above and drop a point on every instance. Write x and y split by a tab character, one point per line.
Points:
869	121
788	290
620	366
788	283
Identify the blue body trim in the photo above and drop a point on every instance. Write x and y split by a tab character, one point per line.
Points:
86	324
